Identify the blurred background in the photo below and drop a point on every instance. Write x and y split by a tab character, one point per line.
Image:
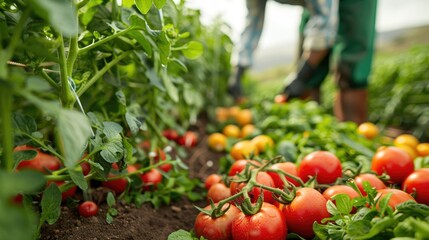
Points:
399	85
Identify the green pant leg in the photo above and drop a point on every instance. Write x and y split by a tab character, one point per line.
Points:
322	69
355	42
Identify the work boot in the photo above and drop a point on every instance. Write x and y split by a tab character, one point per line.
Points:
235	88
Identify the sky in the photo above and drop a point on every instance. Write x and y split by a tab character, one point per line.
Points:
391	15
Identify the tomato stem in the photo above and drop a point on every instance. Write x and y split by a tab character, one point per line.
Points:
105	40
6	97
67	97
100	73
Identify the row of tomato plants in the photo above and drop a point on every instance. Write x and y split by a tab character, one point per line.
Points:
298	173
85	84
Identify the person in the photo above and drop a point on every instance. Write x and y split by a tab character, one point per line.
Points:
341	32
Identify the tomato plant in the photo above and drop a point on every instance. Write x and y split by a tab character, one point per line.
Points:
261	178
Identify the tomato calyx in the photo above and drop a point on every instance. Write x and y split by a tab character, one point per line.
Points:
214	211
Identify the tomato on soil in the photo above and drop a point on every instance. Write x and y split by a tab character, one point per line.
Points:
398	196
88	209
262	178
418	183
188	139
373	180
307	207
218	192
66	194
322	164
151	179
216	228
287	167
212	179
393	161
268	223
117	185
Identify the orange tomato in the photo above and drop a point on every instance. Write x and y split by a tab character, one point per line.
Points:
231	130
243	150
368	130
217	141
406	139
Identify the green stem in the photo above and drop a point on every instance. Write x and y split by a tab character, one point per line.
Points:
67	97
82	4
72	56
6	98
49	80
105	40
100	73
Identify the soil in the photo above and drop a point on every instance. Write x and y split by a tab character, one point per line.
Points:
146	222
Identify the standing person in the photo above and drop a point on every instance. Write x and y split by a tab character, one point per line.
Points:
340	30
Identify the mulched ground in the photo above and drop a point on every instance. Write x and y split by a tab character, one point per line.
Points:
144	223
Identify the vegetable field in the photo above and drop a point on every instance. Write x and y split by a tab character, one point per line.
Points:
116	124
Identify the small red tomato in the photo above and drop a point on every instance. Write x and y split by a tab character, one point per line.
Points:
240	165
322	164
216	228
117	185
212	179
86	168
393	161
170	134
280	98
66	194
151	179
262	178
339	189
418	183
287	167
218	192
398	196
372	179
307	207
268	223
88	209
188	139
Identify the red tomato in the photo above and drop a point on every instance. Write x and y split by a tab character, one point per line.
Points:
268	223
240	165
67	194
188	139
262	178
307	207
43	162
395	162
398	196
218	192
170	134
117	185
151	179
372	179
88	209
212	179
86	168
216	228
339	189
325	165
418	183
286	167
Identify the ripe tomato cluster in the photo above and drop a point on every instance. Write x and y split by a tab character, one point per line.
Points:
305	189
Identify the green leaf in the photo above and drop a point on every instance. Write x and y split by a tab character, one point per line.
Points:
51	202
128	150
172	91
78	178
113	148
377	228
61	14
177	63
109	218
143	5
110	199
73	133
20	182
332	209
159	3
344	203
356	146
133	122
358	228
142	40
164	47
154	79
121	98
194	50
321	231
180	235
17	223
